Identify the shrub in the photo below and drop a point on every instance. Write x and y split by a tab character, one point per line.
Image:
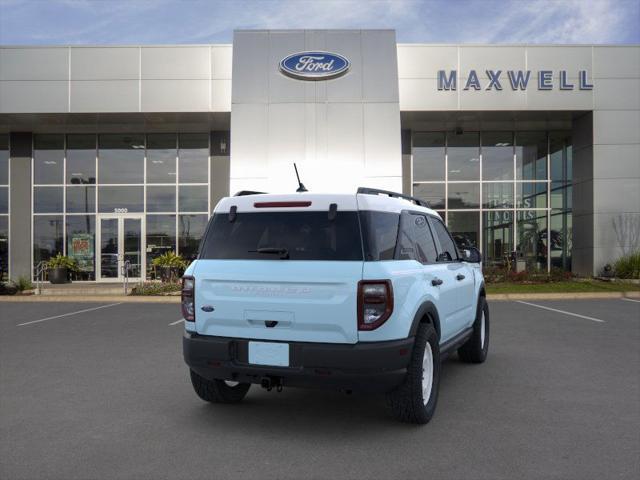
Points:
628	266
23	283
154	288
170	266
62	261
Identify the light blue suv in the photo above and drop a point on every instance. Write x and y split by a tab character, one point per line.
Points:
364	292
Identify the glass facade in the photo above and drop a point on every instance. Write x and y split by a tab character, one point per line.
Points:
507	193
111	198
4	206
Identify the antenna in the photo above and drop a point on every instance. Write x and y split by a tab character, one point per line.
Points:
301	187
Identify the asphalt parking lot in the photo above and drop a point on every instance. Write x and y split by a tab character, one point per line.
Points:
104	394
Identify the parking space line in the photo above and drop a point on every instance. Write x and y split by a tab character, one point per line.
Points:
630	300
562	311
68	314
176	322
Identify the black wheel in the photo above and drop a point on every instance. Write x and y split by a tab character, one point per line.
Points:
415	400
218	391
476	348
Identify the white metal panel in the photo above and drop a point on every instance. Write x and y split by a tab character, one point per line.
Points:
40	96
347	88
175	95
424	61
617	94
221	61
621	61
104	96
250	67
422	94
281	87
570	58
559	99
494	57
249	137
623	161
221	95
175	62
27	63
382	139
105	63
616	127
505	99
379	66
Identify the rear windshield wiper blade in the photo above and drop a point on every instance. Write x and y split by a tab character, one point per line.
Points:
283	252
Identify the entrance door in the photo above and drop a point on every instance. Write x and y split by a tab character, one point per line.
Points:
120	247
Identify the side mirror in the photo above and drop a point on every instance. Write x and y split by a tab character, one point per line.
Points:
471	255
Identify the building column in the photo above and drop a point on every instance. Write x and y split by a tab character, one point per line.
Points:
220	166
20	145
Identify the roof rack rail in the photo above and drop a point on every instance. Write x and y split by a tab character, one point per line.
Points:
243	193
376	191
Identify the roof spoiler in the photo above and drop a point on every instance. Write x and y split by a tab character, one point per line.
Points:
243	193
376	191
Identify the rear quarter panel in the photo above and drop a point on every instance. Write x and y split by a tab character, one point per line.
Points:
409	293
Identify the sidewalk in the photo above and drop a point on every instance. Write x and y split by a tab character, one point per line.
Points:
176	298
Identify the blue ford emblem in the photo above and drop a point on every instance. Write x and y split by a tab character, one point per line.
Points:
314	65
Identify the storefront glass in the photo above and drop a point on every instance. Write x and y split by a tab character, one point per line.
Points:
4	206
505	192
108	199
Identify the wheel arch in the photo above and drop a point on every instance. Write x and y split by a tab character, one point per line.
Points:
427	313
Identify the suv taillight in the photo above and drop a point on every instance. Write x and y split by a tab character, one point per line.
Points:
188	299
375	303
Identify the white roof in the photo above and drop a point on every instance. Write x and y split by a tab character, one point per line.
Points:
318	202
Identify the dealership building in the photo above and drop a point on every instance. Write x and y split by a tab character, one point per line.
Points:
111	154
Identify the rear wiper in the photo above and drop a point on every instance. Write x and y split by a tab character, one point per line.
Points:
283	252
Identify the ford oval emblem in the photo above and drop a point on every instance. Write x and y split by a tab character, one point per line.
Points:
314	65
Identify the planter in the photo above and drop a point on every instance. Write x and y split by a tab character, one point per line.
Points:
58	275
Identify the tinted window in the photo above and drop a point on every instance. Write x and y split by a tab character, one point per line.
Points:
447	247
121	159
304	235
415	241
380	231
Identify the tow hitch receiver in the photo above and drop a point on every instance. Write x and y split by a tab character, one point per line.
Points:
269	383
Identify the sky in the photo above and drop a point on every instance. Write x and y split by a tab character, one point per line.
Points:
120	22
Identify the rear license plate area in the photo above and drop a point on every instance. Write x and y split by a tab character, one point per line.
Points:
269	353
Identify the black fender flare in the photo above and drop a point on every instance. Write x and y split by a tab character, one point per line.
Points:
427	311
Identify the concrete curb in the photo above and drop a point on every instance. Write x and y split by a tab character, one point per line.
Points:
561	296
176	299
90	298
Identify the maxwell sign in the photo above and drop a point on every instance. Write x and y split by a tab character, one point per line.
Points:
314	65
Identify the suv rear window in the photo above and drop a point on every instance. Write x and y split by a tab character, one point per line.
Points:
303	235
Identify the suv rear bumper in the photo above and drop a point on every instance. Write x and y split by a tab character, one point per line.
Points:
367	367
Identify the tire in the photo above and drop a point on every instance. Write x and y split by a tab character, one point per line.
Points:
218	391
408	402
476	348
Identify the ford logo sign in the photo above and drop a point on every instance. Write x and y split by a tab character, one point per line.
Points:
314	65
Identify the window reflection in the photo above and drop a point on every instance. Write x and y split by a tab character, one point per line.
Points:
4	159
121	159
48	159
81	159
81	199
4	247
191	230
497	195
428	157
120	199
161	238
531	195
161	158
193	198
193	162
464	195
498	236
531	155
161	199
81	240
463	156
464	228
497	156
4	200
47	200
433	193
531	249
47	237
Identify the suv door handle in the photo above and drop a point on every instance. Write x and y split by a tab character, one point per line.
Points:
436	281
459	277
